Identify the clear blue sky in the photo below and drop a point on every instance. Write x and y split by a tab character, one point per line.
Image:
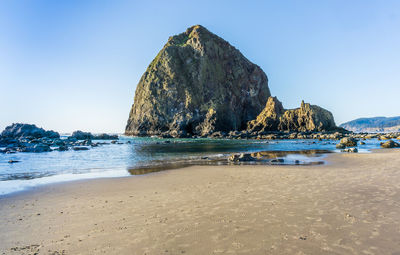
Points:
68	65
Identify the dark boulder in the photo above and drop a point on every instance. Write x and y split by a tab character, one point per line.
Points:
243	157
62	148
351	150
348	142
340	146
390	144
80	148
105	137
80	135
20	130
36	148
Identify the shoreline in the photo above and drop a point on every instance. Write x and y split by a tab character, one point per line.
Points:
41	187
304	157
142	155
151	169
347	206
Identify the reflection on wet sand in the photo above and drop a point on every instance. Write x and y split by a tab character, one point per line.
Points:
305	157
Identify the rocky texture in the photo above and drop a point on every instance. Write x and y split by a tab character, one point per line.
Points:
340	146
105	137
197	84
243	157
80	135
29	138
390	144
270	117
19	130
347	142
350	150
304	119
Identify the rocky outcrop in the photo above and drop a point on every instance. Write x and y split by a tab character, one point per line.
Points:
105	137
306	118
390	144
80	135
346	142
29	138
19	130
197	84
269	118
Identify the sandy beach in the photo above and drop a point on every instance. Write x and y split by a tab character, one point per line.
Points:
351	205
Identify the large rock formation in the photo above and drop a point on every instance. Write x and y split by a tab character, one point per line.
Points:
304	119
198	84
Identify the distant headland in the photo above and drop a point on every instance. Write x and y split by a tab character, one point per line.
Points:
373	125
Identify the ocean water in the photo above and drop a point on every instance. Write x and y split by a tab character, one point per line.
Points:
142	155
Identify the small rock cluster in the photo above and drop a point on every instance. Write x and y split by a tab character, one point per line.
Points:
263	135
20	137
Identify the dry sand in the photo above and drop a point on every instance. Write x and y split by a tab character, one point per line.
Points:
349	206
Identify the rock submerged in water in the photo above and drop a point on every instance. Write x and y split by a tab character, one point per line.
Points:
105	137
390	144
37	148
340	146
277	160
80	135
348	142
197	85
242	157
20	130
350	150
29	138
80	148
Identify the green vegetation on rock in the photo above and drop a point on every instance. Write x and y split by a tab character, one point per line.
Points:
197	84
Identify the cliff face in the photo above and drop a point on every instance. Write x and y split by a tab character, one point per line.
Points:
197	84
306	118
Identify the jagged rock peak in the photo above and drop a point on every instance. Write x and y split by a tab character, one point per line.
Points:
196	85
268	119
303	119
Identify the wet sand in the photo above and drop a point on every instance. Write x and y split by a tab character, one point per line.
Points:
349	206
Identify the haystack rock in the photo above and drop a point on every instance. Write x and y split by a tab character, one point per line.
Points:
197	84
307	118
